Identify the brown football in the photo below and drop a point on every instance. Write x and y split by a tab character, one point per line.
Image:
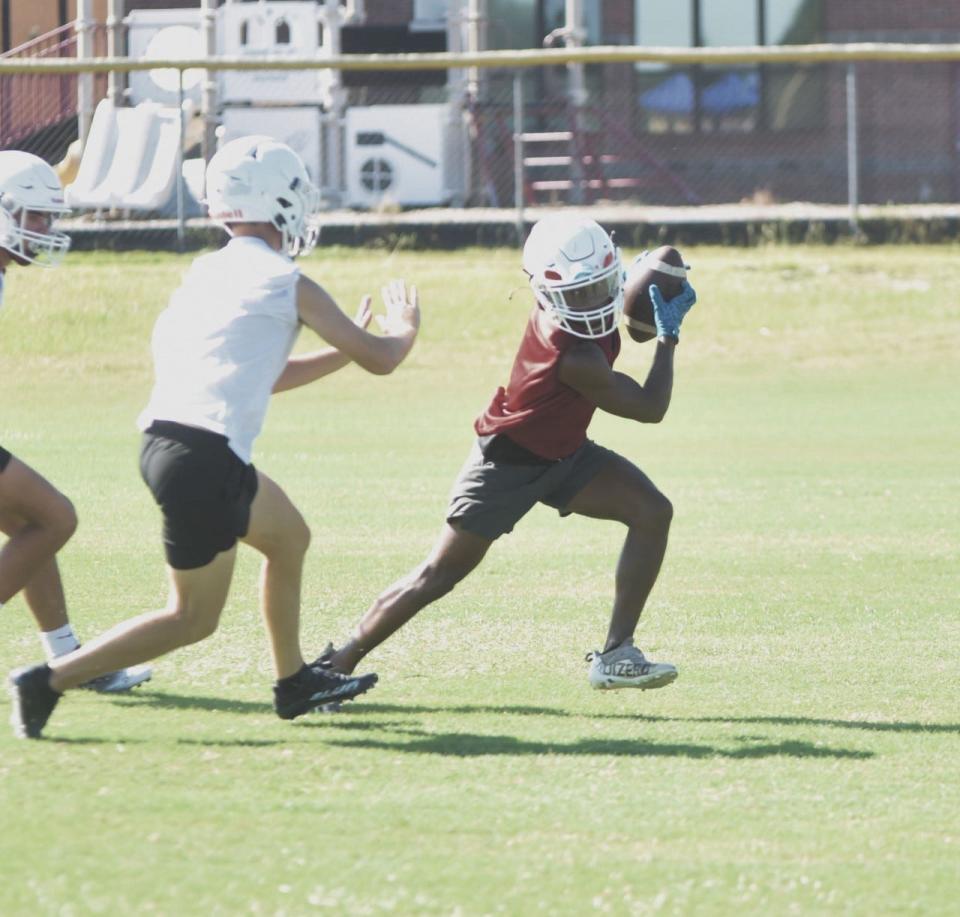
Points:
653	268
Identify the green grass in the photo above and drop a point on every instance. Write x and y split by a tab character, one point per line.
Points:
805	761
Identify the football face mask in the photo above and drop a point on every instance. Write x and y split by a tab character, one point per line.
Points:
591	308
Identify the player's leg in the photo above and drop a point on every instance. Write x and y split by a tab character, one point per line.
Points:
45	597
196	599
456	553
622	492
35	498
488	498
199	485
279	532
38	521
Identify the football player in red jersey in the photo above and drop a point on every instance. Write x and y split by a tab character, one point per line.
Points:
532	447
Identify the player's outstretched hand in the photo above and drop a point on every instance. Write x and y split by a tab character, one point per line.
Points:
403	309
669	313
364	313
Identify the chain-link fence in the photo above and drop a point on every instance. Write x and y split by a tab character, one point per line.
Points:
38	112
476	147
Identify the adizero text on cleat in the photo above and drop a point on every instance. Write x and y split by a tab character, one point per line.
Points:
625	666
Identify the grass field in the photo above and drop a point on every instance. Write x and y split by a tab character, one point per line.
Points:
804	762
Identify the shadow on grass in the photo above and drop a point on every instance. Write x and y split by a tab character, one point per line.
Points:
869	725
90	740
365	708
468	745
190	702
233	743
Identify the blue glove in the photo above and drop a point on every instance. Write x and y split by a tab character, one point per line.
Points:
668	314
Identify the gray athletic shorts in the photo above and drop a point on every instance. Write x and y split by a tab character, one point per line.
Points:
490	497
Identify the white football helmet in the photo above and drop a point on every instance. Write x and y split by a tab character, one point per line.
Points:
576	274
31	201
257	179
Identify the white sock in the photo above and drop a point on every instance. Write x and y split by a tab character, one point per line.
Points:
59	642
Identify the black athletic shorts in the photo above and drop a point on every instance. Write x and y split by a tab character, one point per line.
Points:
4	458
203	488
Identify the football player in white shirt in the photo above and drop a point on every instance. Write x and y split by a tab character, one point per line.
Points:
37	519
220	349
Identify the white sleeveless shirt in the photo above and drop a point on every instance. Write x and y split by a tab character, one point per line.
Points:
223	340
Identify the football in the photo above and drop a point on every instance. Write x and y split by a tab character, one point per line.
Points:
663	266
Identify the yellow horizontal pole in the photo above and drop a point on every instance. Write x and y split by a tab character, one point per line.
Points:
534	57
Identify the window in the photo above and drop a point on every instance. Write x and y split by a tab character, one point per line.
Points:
510	24
555	17
666	97
793	95
429	14
728	99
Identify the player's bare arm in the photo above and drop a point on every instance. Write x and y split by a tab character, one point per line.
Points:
376	354
585	369
305	368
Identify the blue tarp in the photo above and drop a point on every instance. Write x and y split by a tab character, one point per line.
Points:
733	91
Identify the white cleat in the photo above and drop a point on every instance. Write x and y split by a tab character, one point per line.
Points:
625	666
119	681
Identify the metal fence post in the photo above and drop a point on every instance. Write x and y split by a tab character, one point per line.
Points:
208	97
84	28
853	152
577	96
114	24
518	152
181	229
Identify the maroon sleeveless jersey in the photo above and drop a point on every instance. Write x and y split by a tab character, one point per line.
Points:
536	410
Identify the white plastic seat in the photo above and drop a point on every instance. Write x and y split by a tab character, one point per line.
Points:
88	190
137	130
130	159
159	182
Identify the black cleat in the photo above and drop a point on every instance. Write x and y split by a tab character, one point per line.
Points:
325	659
33	700
315	686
